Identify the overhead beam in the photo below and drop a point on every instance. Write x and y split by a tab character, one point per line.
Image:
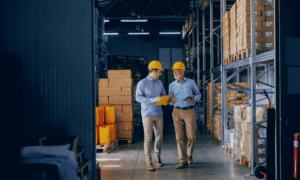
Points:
147	17
111	6
171	7
147	7
184	7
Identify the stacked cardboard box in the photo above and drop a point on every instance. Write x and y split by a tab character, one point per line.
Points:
240	27
243	133
226	34
233	98
118	92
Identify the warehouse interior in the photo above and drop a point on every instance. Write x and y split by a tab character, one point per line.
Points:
69	65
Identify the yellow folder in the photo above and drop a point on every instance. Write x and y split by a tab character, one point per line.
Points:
163	100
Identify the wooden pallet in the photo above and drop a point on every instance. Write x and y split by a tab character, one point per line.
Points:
129	140
246	162
233	57
84	169
243	54
107	148
227	60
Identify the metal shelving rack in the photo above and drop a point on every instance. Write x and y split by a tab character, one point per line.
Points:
239	66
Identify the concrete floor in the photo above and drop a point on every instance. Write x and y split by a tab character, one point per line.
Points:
127	161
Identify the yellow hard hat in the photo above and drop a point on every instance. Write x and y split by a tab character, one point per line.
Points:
178	65
155	65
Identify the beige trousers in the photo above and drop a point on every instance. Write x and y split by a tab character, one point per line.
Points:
185	123
151	123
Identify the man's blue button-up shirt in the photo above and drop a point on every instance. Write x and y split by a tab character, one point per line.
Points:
146	91
180	91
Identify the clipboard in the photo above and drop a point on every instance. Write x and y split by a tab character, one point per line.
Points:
163	100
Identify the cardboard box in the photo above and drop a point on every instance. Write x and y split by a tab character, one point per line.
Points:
103	83
248	45
124	117
127	91
110	91
267	34
118	108
127	109
261	160
269	40
257	40
103	100
261	151
226	15
120	100
267	24
261	142
233	13
268	8
119	74
120	82
268	13
270	18
268	45
125	134
125	125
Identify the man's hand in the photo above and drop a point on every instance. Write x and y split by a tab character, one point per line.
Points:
168	102
191	100
156	99
174	100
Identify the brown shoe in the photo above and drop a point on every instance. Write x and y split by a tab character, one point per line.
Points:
150	166
158	161
181	165
190	160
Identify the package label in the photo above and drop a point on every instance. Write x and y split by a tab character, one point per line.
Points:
261	141
269	45
262	133
255	34
262	151
270	13
255	13
269	24
268	34
256	45
261	160
296	143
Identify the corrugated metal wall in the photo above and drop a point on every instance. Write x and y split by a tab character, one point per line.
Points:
54	40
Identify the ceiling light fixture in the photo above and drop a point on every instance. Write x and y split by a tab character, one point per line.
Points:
106	20
170	33
111	33
138	20
142	33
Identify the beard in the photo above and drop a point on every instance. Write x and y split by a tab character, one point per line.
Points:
178	76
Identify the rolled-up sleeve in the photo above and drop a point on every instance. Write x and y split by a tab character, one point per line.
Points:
139	96
196	92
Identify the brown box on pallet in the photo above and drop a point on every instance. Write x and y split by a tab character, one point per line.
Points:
261	142
103	83
110	91
268	13
265	29
269	40
125	134
124	117
124	125
247	154
233	13
103	100
261	160
127	91
120	100
226	15
258	40
127	108
261	151
119	74
118	108
248	45
268	8
257	2
268	45
270	18
268	24
120	82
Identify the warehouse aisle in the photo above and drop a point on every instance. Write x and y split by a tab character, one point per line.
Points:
127	161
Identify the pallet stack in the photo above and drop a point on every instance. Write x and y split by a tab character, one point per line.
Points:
233	98
117	91
226	36
242	139
240	29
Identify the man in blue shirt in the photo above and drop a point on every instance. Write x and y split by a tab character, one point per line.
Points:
184	94
149	90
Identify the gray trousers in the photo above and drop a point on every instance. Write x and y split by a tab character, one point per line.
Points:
151	123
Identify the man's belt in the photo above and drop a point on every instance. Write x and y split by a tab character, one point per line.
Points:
185	108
